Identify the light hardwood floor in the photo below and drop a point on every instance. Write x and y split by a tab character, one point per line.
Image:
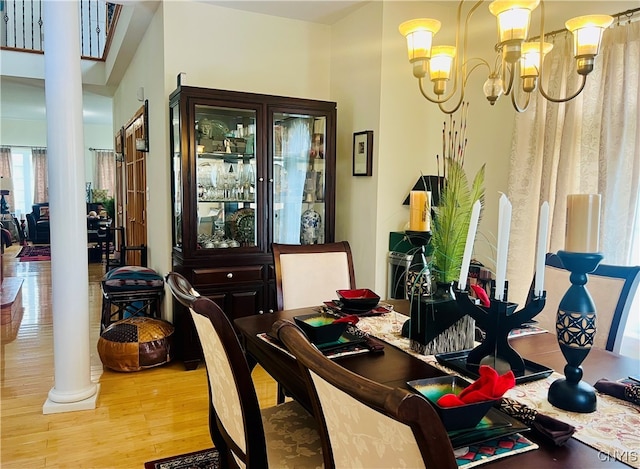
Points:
140	416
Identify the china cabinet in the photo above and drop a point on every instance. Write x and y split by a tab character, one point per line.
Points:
247	170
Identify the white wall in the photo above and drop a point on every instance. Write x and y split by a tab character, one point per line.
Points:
375	89
355	85
229	49
145	71
33	133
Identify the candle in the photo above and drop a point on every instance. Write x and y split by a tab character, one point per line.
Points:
541	255
419	211
583	223
504	225
468	247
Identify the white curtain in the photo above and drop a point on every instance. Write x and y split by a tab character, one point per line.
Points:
589	145
5	171
105	177
40	175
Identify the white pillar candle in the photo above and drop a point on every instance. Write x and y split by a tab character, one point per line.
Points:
468	247
504	225
420	211
583	223
541	255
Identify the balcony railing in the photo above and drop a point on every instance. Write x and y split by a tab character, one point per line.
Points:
22	25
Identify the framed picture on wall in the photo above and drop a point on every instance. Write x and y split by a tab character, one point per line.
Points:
363	153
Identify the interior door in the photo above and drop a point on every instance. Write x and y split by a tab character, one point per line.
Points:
135	176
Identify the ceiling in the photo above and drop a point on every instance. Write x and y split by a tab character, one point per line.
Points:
24	98
314	11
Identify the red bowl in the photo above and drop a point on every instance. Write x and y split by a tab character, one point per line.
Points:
360	299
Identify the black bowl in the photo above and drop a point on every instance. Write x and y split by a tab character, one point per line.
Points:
453	418
321	328
361	299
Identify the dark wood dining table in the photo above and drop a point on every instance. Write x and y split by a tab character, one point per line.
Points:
395	367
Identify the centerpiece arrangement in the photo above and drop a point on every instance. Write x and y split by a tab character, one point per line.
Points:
437	325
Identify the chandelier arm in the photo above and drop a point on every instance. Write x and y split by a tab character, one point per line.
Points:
464	82
512	74
457	106
542	39
514	101
459	65
427	97
563	100
540	80
481	62
465	36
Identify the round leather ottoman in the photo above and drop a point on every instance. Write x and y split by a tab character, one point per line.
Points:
136	343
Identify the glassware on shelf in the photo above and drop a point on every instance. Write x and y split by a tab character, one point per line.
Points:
247	182
310	185
320	187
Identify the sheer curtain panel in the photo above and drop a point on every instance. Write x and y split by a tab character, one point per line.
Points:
105	177
40	175
589	145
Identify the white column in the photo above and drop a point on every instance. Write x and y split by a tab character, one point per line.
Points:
73	388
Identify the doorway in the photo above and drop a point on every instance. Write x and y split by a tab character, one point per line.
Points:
131	184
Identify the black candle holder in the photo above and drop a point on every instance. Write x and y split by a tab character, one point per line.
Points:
497	321
576	328
418	278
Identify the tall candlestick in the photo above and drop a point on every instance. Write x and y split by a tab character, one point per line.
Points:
504	225
419	211
468	247
583	223
541	255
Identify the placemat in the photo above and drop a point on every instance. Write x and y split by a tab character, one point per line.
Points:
355	349
613	429
491	450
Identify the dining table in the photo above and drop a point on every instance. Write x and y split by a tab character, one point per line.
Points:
395	367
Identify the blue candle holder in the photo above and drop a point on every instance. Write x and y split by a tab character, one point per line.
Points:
576	329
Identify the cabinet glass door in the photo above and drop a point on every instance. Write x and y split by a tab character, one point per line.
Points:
226	177
299	178
176	182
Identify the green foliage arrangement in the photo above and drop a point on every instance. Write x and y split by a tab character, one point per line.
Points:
452	217
109	206
453	213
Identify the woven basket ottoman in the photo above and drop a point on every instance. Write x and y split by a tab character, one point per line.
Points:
136	343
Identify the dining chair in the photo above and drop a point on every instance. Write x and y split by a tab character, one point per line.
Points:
364	423
612	287
283	436
310	274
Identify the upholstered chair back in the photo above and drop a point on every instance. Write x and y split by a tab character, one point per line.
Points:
283	436
364	423
612	289
308	275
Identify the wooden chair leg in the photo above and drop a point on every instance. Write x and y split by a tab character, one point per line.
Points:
281	394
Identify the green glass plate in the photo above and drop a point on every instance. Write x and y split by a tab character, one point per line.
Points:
495	424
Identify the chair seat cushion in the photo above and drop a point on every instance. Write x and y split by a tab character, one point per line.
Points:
291	436
136	343
132	277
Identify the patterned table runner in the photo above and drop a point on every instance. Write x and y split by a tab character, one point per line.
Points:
614	429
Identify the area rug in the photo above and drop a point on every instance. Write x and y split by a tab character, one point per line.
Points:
205	459
35	253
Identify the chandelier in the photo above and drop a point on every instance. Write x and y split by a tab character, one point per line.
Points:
516	55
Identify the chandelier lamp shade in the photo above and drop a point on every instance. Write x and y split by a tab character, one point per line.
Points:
517	56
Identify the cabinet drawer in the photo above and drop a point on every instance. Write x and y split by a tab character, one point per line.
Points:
227	276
